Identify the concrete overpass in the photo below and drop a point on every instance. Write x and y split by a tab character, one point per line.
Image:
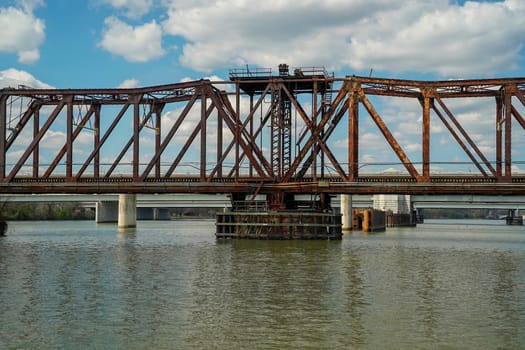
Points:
221	201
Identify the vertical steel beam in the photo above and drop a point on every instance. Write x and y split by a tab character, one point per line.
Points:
158	132
237	130
3	143
353	131
426	134
508	132
136	135
220	138
96	140
203	137
314	126
499	138
69	137
250	174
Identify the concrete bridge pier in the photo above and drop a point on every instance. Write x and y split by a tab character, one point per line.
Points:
346	211
127	210
106	212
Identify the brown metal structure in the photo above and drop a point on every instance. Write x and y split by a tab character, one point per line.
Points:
266	134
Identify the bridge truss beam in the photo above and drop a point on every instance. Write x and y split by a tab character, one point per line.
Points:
267	131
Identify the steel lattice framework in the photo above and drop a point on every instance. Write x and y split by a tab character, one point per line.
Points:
266	133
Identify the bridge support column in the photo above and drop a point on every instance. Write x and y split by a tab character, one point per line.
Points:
346	211
106	211
127	210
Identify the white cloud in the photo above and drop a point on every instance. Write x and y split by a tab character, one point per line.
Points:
22	32
438	36
129	83
136	44
477	38
132	8
13	78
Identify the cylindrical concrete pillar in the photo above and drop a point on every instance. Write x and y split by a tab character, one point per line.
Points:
346	211
127	210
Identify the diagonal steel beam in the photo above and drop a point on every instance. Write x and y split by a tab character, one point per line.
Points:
335	121
518	116
459	140
170	134
314	137
232	142
256	134
186	146
389	137
126	147
101	142
244	132
36	140
316	131
62	151
465	135
249	147
32	109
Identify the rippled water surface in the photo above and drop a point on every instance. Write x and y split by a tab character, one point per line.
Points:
172	285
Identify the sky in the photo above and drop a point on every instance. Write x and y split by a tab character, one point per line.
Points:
131	43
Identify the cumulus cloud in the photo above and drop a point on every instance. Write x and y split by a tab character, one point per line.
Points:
136	44
477	38
22	32
438	36
14	77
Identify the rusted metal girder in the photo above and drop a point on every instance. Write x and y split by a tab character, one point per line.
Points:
452	185
235	141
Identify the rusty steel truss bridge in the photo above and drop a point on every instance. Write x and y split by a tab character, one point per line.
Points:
258	133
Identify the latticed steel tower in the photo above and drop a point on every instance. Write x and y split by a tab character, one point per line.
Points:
281	90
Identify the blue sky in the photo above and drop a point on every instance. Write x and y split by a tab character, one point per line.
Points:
111	43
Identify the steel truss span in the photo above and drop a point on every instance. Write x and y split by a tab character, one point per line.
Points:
297	132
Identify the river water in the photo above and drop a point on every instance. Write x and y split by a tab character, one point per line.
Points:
172	285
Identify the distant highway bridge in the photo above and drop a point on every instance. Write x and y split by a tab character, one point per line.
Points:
222	201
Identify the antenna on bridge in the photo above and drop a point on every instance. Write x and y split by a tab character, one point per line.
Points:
371	71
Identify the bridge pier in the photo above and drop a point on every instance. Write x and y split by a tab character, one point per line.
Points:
106	212
346	211
127	210
279	216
